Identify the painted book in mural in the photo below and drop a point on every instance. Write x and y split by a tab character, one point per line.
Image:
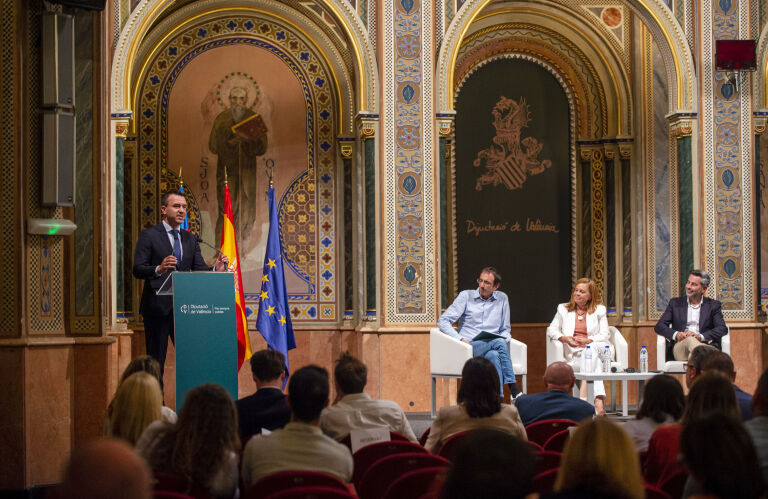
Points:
251	128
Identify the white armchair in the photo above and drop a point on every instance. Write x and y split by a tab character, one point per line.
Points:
448	355
676	366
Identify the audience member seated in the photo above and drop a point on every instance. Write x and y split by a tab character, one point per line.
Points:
721	459
711	392
147	364
355	410
266	408
556	402
663	403
202	446
106	469
758	425
301	445
490	464
479	407
695	360
137	403
599	461
722	363
581	322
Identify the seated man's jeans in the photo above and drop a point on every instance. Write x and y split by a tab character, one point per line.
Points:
497	352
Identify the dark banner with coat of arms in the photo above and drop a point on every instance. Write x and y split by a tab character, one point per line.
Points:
513	185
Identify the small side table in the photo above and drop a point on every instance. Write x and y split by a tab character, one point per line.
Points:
591	378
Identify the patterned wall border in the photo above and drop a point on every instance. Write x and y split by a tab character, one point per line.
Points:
408	208
727	146
166	66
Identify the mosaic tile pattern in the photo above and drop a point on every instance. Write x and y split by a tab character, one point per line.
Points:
302	210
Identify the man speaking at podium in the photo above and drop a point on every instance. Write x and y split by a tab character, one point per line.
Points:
161	249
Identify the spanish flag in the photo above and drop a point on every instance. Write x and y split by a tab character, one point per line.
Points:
229	248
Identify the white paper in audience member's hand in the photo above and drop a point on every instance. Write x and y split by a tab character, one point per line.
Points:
265	432
361	438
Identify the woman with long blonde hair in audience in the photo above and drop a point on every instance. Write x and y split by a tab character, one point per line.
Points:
202	446
147	364
599	461
137	403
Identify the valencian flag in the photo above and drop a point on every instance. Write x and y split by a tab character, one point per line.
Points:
274	321
229	248
185	224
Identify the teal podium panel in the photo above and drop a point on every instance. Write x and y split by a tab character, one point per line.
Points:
206	331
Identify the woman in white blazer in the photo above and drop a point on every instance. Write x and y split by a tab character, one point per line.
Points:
581	322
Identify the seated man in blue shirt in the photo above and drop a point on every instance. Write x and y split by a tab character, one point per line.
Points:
484	309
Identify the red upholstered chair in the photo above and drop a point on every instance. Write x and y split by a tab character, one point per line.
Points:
546	460
534	446
653	492
164	494
413	484
544	482
292	479
316	492
557	441
540	431
451	444
170	482
384	471
674	484
365	457
393	436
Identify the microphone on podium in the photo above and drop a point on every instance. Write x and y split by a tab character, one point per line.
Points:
200	241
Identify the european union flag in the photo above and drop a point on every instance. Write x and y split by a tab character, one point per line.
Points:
185	224
274	321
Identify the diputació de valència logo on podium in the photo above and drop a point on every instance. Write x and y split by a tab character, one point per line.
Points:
204	309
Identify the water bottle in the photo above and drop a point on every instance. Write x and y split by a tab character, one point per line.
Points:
643	359
607	359
588	360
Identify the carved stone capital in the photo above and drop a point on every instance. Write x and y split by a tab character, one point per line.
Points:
760	121
681	125
445	124
367	124
121	127
346	146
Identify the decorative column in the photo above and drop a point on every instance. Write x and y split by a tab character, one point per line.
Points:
592	210
682	205
347	150
447	198
368	124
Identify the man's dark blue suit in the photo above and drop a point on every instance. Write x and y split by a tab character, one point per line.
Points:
711	323
264	409
152	246
552	404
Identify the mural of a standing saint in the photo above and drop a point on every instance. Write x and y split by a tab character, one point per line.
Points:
238	137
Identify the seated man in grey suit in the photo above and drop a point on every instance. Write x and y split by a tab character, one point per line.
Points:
557	402
266	408
356	410
692	319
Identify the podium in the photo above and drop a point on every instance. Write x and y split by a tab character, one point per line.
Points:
205	329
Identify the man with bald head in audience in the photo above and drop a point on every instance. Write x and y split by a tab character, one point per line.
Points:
557	402
722	363
108	469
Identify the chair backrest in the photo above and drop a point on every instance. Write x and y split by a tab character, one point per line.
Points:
384	471
414	484
365	457
544	482
546	460
653	492
540	431
171	482
291	479
451	445
165	494
347	440
534	446
557	441
674	484
316	492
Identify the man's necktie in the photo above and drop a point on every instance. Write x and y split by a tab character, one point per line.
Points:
176	246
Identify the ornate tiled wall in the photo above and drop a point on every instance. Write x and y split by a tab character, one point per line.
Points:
308	209
408	169
726	112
